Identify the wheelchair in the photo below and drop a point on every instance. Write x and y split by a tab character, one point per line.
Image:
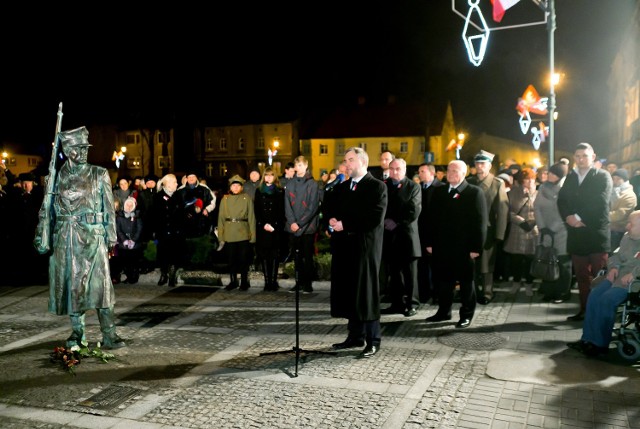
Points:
628	330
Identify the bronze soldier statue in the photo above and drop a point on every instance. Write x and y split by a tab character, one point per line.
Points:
79	213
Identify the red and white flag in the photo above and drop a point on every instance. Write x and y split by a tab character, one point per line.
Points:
500	6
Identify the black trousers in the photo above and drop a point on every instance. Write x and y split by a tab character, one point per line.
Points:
404	284
467	298
303	248
368	330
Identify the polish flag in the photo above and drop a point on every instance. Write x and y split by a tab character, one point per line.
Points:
500	6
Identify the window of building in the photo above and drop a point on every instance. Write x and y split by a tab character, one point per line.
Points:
363	146
222	169
164	162
208	147
241	143
423	147
306	148
160	137
260	144
209	169
223	144
133	138
324	149
32	162
340	149
404	147
133	162
384	147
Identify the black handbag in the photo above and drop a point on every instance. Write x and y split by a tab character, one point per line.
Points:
545	264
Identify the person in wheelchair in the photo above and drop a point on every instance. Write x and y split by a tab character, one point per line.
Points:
623	268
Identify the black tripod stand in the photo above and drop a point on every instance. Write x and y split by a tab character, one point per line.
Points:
296	349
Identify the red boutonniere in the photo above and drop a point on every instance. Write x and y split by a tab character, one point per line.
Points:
399	185
456	196
637	255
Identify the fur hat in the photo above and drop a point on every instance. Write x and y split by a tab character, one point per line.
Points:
621	173
560	169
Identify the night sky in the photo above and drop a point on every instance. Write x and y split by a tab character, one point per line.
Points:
272	62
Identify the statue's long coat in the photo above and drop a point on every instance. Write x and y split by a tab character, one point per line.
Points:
84	231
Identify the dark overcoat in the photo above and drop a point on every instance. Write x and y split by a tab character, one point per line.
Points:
456	226
590	201
427	194
357	250
404	207
269	209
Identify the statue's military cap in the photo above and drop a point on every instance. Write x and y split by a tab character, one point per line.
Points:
74	138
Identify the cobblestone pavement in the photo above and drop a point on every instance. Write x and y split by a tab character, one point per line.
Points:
203	357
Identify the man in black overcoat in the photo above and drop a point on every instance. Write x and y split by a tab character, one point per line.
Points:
356	214
457	228
583	203
429	182
401	239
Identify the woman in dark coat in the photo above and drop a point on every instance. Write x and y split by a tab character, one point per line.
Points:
168	215
270	219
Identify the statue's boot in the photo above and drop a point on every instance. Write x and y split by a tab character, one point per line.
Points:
110	340
77	330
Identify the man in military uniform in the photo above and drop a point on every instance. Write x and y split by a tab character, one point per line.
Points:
497	216
83	232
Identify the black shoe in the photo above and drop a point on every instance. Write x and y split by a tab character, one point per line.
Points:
576	318
245	286
463	323
410	312
485	299
369	351
231	286
295	288
438	318
577	345
392	310
163	280
591	350
348	344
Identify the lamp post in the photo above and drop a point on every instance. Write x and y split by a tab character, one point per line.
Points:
551	26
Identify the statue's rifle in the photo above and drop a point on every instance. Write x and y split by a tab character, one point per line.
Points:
42	240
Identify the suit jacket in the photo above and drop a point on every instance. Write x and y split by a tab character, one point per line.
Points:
590	201
457	226
404	207
423	218
357	250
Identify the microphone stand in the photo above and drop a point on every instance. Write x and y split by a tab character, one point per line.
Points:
296	349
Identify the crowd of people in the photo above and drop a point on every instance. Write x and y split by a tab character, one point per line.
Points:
432	238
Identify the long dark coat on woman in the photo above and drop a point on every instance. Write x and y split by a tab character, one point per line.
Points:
357	250
269	209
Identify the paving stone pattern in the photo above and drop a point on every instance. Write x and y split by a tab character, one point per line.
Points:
203	357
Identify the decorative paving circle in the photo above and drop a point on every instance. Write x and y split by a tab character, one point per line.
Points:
473	340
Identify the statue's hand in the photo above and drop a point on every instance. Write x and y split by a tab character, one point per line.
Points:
41	247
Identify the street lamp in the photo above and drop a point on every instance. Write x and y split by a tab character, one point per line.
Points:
119	156
272	153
